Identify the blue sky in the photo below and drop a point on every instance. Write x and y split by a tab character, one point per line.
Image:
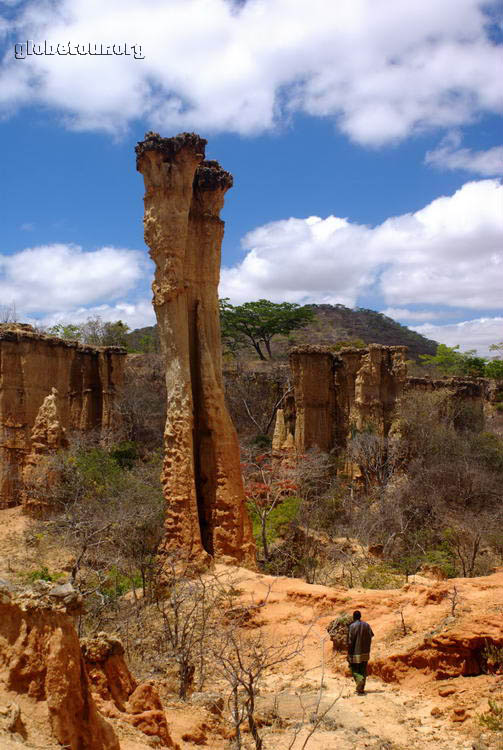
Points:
365	145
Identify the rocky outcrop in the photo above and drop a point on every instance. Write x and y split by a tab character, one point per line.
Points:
47	437
283	442
460	651
315	402
87	380
205	510
473	392
42	669
279	434
368	384
337	393
118	695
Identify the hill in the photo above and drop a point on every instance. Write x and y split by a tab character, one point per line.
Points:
336	322
332	323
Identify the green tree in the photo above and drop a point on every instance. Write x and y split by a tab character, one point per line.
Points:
67	331
94	331
448	359
494	369
258	322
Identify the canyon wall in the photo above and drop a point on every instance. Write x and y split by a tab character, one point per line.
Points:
205	507
118	695
315	401
87	380
337	393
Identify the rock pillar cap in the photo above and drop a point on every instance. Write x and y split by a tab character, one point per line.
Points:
170	147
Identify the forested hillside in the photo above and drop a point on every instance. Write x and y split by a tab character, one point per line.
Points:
332	323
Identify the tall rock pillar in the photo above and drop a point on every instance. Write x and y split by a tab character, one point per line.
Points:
315	401
202	483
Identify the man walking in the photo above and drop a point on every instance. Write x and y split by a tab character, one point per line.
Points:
359	639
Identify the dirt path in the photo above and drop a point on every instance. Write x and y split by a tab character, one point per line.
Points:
385	717
13	551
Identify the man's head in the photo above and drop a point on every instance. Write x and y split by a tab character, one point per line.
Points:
357	615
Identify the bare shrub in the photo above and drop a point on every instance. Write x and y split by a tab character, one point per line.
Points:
8	313
242	659
372	454
253	398
190	604
431	491
110	519
142	401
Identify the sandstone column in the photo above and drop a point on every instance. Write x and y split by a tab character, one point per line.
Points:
47	437
315	401
378	385
202	484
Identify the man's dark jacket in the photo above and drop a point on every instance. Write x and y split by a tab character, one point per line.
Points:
359	639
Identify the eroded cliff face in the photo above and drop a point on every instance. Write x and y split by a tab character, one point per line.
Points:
379	382
87	380
205	510
118	695
42	670
47	437
336	393
315	402
354	389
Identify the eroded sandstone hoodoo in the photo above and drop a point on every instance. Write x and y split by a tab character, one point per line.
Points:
87	380
315	402
47	437
42	668
336	393
205	510
118	695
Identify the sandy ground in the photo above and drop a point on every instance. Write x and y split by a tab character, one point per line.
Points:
419	711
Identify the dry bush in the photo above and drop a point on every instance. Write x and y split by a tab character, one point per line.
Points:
191	606
432	491
142	402
253	397
110	519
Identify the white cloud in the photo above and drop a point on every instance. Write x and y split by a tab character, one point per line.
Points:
477	334
401	313
449	155
135	314
449	253
382	70
60	278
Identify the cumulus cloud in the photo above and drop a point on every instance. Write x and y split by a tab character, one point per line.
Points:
449	253
60	278
136	314
477	334
401	313
449	155
381	70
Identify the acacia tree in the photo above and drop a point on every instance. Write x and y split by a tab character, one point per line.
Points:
258	322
